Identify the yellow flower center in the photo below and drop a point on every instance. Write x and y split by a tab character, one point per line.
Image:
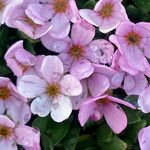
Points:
5	131
106	10
2	5
76	51
4	93
53	90
133	38
60	6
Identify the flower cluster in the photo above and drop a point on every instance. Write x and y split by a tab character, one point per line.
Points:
83	73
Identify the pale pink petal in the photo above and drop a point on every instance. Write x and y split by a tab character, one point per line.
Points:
143	138
117	100
70	85
31	86
90	16
82	69
98	84
60	26
41	106
52	69
26	136
115	117
144	101
56	45
8	145
18	111
5	121
86	112
63	110
82	33
2	107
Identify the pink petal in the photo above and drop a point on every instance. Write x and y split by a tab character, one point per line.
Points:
60	26
86	112
82	33
52	68
2	107
56	45
115	117
82	69
63	110
31	86
70	85
144	100
143	138
5	121
26	136
98	84
6	144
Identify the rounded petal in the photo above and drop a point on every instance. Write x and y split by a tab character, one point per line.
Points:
8	145
144	101
5	121
52	68
56	45
115	117
31	86
86	112
143	138
90	16
70	85
60	26
82	33
18	111
41	106
82	69
63	110
2	107
98	84
26	136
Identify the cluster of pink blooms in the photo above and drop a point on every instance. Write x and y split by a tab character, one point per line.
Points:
81	77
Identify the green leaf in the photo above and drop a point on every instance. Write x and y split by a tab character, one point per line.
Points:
144	5
104	133
71	138
133	129
29	47
4	70
89	4
46	143
114	144
56	131
132	115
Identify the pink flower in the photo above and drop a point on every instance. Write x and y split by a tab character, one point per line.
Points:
132	41
130	79
21	18
95	85
107	14
11	134
13	103
143	138
144	100
105	105
59	13
18	59
51	91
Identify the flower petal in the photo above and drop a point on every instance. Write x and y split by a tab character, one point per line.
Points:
63	110
52	68
115	117
41	106
31	86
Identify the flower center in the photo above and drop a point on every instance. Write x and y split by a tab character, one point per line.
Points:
133	38
106	10
4	93
2	5
30	22
5	131
60	6
103	101
76	51
53	90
